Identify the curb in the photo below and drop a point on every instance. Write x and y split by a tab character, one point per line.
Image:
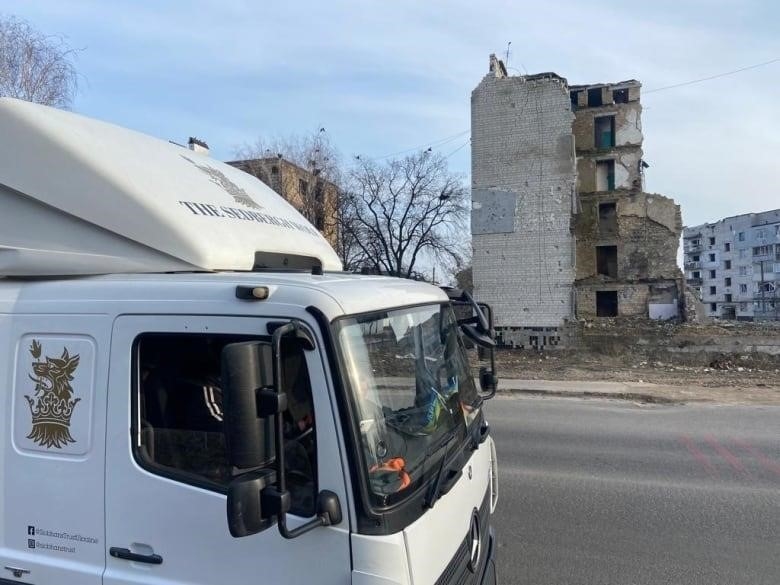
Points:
632	396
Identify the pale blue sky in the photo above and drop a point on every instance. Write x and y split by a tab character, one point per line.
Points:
387	76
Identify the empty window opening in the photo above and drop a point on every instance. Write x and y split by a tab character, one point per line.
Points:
727	246
697	274
303	187
607	218
727	264
712	241
606	303
696	258
604	131
713	307
713	274
729	312
713	290
274	170
620	96
574	96
594	97
606	261
605	175
728	298
728	281
743	288
712	257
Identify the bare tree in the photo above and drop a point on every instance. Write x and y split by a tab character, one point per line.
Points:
35	67
408	209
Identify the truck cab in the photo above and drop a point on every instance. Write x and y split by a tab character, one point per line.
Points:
195	392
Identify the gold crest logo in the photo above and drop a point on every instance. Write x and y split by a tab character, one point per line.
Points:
52	403
219	178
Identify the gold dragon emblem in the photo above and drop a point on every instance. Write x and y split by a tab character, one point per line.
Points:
52	402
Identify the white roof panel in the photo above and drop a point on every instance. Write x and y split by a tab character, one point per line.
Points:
80	196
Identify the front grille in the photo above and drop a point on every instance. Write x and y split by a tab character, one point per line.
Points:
457	571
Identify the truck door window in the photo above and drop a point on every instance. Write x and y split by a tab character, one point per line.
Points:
178	415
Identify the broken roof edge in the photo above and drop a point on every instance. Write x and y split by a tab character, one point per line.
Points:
499	70
616	85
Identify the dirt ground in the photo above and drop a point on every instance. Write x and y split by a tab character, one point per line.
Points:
570	365
642	379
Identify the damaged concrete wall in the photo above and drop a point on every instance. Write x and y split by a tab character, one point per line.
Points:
646	234
523	181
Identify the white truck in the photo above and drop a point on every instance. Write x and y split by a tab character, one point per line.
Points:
194	392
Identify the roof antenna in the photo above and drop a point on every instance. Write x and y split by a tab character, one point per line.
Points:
506	61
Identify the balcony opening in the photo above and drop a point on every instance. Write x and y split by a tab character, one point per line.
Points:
606	303
606	261
607	218
604	127
594	97
696	274
620	96
574	96
605	175
713	308
729	298
712	241
696	258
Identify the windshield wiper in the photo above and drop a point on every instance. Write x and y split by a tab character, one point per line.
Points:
435	490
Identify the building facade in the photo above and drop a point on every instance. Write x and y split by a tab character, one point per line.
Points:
313	196
734	266
561	225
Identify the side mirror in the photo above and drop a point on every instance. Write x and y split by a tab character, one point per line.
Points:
247	382
245	510
478	337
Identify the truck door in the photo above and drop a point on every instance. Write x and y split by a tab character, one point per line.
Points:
52	451
167	471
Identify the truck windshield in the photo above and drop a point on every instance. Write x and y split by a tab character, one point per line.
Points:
413	391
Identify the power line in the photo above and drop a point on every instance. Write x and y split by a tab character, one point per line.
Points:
437	143
692	81
459	148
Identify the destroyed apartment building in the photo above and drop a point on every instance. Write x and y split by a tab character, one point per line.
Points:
561	225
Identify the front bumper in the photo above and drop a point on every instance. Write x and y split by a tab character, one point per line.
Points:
489	574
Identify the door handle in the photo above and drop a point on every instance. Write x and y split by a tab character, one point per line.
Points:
128	555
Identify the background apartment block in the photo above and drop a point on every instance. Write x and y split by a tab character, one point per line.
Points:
734	265
313	196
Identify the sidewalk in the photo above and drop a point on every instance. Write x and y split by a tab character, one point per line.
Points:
641	391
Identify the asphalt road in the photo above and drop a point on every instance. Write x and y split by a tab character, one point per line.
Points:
607	492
